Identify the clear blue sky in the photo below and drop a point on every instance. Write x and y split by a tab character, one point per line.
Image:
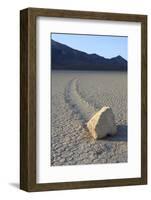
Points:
106	46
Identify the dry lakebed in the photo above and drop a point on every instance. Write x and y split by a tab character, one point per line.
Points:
75	97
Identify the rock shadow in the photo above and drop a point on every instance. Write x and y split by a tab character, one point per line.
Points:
120	136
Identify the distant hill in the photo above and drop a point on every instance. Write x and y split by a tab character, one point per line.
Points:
64	57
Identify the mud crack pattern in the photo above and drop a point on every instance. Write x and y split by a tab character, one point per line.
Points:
71	143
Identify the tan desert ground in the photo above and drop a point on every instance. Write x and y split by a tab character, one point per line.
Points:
75	97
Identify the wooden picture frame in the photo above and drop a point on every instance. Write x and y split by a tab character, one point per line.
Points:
28	98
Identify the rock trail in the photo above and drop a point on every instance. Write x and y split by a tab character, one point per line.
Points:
77	103
71	143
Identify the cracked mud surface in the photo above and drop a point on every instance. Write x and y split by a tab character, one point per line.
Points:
76	96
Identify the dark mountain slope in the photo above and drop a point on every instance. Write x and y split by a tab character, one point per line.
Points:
66	58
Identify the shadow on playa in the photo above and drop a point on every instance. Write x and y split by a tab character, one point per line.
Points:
121	134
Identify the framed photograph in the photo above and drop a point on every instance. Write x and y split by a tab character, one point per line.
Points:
83	99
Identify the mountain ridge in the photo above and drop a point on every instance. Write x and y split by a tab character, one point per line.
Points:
64	57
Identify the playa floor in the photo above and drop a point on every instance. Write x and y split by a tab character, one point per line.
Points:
75	97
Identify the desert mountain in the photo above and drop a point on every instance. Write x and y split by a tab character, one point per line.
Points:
64	57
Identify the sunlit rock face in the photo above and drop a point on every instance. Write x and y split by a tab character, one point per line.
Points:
102	123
